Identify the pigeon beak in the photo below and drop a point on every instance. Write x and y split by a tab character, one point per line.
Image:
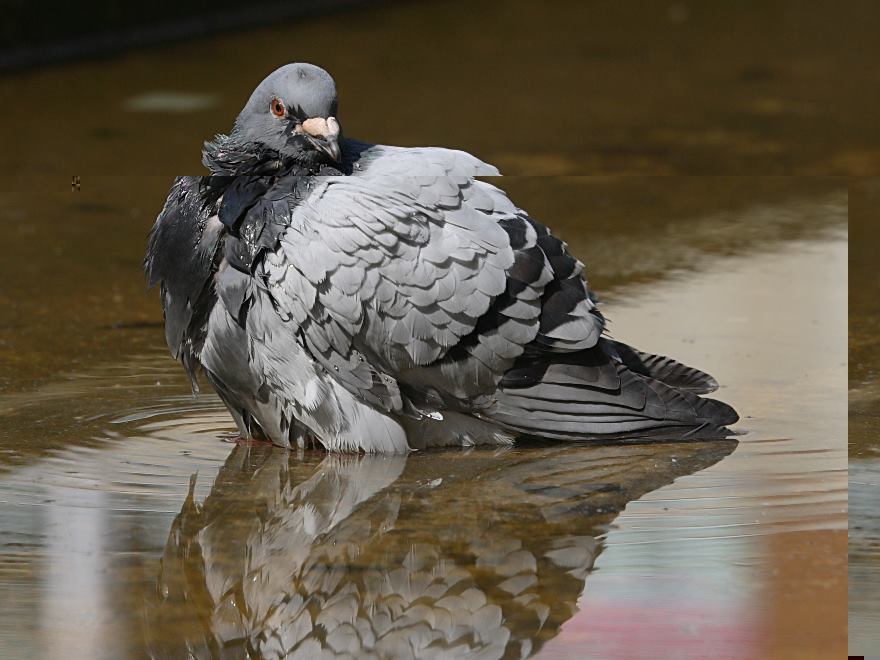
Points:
324	135
331	148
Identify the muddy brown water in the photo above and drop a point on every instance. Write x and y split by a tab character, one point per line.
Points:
132	524
757	87
864	410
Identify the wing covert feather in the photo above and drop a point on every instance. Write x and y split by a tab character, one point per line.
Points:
436	281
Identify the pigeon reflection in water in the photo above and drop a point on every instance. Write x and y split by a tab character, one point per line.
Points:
378	556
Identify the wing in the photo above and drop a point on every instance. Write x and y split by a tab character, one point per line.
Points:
432	285
180	257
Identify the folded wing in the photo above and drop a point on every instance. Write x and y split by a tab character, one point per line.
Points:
432	284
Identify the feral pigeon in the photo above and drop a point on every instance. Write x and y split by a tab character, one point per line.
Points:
371	298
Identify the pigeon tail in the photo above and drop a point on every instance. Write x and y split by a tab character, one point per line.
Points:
592	395
665	369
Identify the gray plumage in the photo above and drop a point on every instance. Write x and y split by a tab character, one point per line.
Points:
378	298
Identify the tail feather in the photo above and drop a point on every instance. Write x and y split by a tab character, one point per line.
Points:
590	394
669	371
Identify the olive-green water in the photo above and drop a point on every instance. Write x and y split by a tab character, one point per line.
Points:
133	524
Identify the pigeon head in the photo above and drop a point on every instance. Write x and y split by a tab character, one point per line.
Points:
293	111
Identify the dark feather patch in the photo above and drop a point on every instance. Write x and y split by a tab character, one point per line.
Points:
242	193
527	266
516	231
540	229
563	264
262	219
666	370
560	299
181	255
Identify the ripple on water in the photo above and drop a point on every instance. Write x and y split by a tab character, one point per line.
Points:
491	550
138	457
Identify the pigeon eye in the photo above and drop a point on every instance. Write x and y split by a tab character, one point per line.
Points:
277	107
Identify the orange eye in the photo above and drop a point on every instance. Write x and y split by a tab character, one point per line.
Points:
277	107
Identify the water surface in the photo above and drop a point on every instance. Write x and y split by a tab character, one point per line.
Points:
131	523
755	87
864	414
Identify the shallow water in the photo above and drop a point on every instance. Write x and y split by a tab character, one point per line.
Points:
131	523
762	87
864	413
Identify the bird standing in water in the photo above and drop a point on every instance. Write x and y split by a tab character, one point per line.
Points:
380	299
